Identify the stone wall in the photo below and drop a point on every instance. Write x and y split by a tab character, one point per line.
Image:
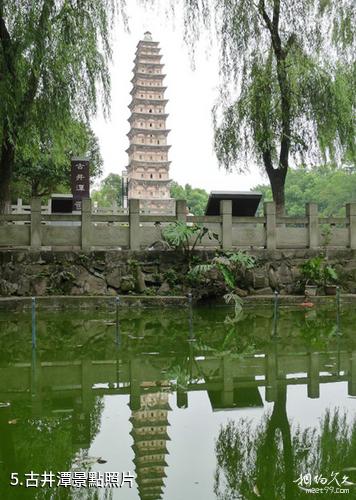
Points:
137	231
24	273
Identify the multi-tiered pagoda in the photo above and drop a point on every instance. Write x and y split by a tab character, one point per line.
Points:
148	169
149	432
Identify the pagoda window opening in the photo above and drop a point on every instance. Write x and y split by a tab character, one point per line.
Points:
150	111
151	176
150	124
160	176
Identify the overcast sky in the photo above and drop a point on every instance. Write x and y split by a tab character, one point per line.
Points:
191	94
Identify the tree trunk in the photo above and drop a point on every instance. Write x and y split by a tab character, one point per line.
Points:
268	479
7	158
277	179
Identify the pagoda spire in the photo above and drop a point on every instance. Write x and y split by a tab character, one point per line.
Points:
148	168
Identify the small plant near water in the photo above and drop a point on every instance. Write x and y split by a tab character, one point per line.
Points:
317	271
229	265
185	237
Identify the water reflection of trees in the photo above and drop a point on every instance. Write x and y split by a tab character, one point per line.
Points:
263	461
47	442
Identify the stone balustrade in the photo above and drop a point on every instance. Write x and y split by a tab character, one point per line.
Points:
136	230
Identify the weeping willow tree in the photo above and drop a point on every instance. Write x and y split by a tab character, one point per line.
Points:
288	79
54	57
265	461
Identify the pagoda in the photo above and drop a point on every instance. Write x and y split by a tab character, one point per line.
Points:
149	433
148	168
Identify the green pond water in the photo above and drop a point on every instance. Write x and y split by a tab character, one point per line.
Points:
188	404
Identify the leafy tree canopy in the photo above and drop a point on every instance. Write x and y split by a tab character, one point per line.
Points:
109	191
54	57
43	159
288	79
196	198
330	187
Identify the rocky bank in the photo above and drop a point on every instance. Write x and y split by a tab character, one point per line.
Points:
25	273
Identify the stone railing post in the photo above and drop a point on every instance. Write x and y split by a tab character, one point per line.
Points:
134	221
311	212
86	223
313	375
351	215
19	208
271	227
36	237
226	224
181	210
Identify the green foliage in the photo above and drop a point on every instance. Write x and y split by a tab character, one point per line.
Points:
288	79
317	271
54	59
185	237
43	160
109	191
232	298
196	198
230	266
330	187
241	259
266	458
171	277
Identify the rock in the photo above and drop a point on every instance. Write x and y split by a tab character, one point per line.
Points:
284	274
159	245
240	292
149	268
23	287
7	288
140	280
152	279
259	279
114	278
99	266
89	284
20	257
249	277
263	291
95	286
164	288
127	284
273	279
39	286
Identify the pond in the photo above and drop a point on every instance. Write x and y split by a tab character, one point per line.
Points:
178	404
